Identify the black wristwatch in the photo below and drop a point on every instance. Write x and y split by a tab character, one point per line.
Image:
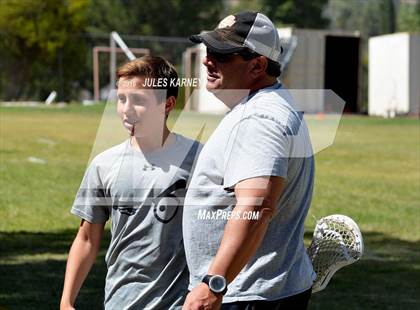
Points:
216	283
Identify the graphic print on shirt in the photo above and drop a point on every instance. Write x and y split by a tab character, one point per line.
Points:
165	206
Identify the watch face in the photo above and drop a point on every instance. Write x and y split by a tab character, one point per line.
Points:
217	284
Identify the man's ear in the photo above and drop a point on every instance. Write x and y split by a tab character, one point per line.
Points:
169	105
258	66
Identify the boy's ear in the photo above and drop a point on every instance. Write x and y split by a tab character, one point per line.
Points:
170	104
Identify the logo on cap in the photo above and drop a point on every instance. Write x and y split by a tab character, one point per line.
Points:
227	22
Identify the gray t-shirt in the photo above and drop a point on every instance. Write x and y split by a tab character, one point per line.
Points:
143	195
261	136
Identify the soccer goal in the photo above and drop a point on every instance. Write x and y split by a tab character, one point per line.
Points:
112	50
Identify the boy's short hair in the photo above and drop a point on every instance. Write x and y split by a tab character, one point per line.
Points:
152	67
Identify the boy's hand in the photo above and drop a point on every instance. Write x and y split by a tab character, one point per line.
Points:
67	307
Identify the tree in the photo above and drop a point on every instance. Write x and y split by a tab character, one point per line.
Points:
37	47
154	17
371	18
409	17
300	13
45	44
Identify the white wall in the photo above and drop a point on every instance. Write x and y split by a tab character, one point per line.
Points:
306	68
207	102
389	74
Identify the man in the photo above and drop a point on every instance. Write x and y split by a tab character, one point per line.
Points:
258	161
139	184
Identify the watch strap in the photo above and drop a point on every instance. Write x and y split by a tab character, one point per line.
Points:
206	280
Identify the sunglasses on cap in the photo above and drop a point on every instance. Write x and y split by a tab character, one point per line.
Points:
223	58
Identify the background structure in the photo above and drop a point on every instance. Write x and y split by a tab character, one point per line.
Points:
371	172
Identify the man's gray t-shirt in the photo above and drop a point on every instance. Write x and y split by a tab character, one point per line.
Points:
262	136
143	195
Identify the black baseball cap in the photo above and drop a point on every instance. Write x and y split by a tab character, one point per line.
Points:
245	30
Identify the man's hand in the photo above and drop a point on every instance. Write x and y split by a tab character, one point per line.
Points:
201	298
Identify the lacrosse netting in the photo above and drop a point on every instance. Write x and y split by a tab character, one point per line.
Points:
336	242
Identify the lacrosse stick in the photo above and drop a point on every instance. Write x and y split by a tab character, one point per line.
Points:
337	242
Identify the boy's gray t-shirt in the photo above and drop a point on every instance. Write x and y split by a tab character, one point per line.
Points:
263	136
143	195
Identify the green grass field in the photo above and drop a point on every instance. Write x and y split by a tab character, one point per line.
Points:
371	173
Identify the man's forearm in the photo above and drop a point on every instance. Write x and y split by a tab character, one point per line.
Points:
241	237
82	255
240	241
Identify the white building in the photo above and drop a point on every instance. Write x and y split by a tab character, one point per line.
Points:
394	75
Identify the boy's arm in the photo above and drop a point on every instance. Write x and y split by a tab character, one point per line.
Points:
81	257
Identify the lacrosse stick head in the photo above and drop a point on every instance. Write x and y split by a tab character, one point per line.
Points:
336	242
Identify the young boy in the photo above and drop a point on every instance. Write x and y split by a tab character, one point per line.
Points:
140	185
